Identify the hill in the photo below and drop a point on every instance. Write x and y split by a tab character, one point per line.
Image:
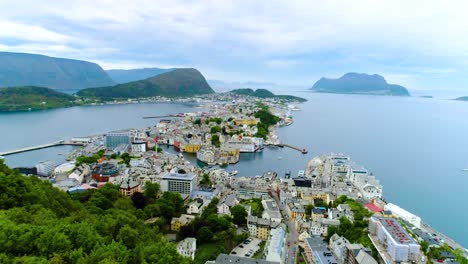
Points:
359	83
32	98
264	93
176	83
22	69
42	224
124	76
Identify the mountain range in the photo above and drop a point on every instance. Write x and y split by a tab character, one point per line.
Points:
22	69
124	76
359	83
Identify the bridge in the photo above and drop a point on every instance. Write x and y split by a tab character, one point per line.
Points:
49	145
302	150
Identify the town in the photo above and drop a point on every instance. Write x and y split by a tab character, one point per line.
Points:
331	212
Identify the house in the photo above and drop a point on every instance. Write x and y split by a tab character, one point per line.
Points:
339	211
178	222
337	245
317	252
358	254
196	206
129	186
223	208
187	247
317	214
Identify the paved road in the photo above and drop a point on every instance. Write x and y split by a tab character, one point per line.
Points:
427	228
292	236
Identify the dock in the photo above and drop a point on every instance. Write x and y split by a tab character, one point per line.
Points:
162	116
302	150
49	145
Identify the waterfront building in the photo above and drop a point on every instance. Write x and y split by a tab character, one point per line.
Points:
129	186
398	244
45	168
275	247
317	252
64	168
187	247
180	182
403	214
207	155
114	139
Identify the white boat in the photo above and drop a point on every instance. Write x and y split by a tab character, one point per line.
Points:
280	158
465	170
232	173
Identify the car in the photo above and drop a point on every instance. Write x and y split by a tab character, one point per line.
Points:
247	255
241	246
234	253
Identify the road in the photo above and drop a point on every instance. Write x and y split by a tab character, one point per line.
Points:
291	237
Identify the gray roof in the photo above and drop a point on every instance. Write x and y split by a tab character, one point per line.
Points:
364	258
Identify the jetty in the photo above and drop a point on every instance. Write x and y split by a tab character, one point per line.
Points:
49	145
302	150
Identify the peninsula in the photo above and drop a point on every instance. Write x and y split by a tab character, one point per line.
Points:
359	83
264	93
33	98
177	83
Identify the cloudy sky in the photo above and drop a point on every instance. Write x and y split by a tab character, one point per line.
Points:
420	44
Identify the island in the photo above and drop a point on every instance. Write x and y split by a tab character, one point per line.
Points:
23	69
264	93
33	98
463	98
359	83
177	83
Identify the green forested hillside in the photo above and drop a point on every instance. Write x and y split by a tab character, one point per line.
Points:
41	224
33	98
264	93
176	83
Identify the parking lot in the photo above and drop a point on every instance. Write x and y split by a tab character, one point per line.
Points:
248	248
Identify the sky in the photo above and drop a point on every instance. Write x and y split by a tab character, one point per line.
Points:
422	45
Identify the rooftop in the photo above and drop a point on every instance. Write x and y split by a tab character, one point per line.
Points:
179	176
397	232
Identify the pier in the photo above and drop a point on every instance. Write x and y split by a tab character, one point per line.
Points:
302	150
163	116
49	145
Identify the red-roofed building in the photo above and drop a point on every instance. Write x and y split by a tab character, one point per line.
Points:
374	208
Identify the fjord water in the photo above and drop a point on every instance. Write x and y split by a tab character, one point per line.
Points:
416	147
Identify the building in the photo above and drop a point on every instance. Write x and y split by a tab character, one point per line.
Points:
139	146
102	172
129	186
399	245
337	245
403	214
179	182
178	222
230	259
275	246
196	206
45	168
358	254
317	252
341	210
114	139
271	211
207	155
260	227
187	247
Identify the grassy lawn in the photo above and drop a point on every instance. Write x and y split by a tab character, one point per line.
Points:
208	252
256	206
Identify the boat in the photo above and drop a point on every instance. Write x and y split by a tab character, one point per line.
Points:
465	170
280	158
232	173
287	174
304	151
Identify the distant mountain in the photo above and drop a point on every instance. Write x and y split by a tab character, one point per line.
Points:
32	98
359	83
124	76
463	98
176	83
264	93
22	69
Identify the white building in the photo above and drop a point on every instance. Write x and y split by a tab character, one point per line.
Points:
64	168
403	214
179	182
45	168
400	246
196	206
138	146
187	247
276	245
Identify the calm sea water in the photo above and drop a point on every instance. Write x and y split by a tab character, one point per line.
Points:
417	147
